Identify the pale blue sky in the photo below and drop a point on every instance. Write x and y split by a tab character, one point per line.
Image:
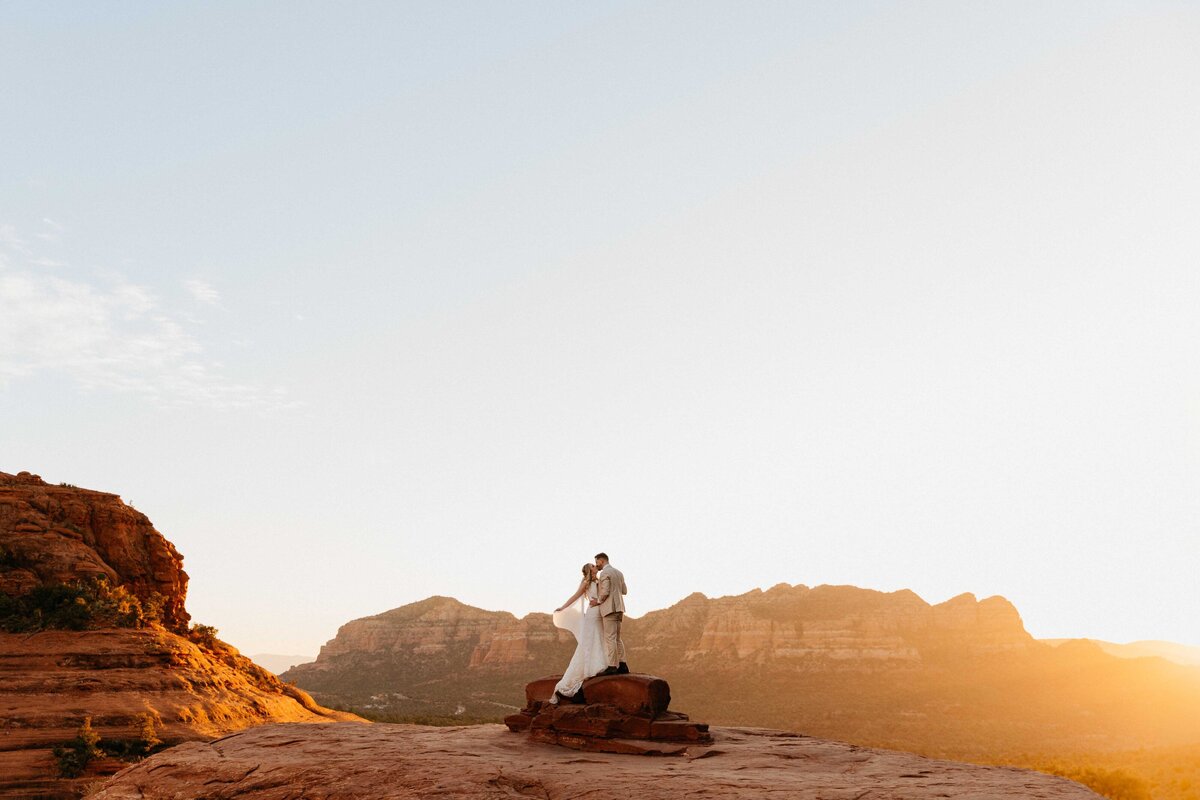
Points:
366	303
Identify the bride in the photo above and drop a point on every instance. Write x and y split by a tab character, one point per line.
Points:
583	621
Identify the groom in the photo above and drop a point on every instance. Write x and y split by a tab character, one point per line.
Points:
612	610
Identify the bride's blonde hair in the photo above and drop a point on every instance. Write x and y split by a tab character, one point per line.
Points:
589	572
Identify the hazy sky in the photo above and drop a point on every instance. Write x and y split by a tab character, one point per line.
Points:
366	302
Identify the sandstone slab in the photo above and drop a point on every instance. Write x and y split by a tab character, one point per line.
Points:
372	762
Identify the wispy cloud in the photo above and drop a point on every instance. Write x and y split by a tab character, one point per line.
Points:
111	336
11	242
202	292
51	230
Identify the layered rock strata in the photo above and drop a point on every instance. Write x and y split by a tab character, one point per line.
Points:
962	678
57	534
129	681
625	714
395	762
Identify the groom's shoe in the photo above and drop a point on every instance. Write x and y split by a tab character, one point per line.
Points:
611	671
623	668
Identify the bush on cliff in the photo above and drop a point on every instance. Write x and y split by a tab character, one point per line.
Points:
78	606
146	742
74	756
203	635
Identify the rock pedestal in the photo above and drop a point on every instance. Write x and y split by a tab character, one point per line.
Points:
618	714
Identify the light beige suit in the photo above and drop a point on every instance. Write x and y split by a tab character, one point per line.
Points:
612	591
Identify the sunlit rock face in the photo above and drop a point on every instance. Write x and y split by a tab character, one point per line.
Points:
57	534
434	658
857	627
122	678
441	625
517	642
843	623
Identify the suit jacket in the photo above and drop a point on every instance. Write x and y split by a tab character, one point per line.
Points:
612	590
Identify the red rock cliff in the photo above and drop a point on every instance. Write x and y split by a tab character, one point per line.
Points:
185	688
57	534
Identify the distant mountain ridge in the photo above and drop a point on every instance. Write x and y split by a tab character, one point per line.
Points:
961	678
1171	651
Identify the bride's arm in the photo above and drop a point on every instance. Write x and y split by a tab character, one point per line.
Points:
582	588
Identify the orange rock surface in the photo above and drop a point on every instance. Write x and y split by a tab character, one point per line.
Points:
50	680
57	534
361	762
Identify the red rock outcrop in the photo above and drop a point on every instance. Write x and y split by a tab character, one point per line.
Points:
517	642
123	679
395	661
393	762
432	626
625	714
58	534
441	626
841	623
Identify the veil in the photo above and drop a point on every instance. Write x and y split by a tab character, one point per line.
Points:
571	618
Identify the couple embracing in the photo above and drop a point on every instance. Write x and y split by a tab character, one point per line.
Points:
596	625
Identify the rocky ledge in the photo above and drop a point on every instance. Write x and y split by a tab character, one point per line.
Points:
611	714
94	641
371	762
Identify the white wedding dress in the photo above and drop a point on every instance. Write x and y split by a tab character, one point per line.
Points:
583	621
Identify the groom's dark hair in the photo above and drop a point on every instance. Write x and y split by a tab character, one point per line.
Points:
601	555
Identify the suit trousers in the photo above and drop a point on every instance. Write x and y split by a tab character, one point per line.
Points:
614	648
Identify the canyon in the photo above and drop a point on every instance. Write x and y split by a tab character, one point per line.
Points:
95	636
959	679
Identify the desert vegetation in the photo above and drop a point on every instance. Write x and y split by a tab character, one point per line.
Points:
73	757
1159	773
78	606
204	636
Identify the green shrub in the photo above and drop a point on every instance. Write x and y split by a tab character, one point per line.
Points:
78	606
203	635
74	756
149	735
137	748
